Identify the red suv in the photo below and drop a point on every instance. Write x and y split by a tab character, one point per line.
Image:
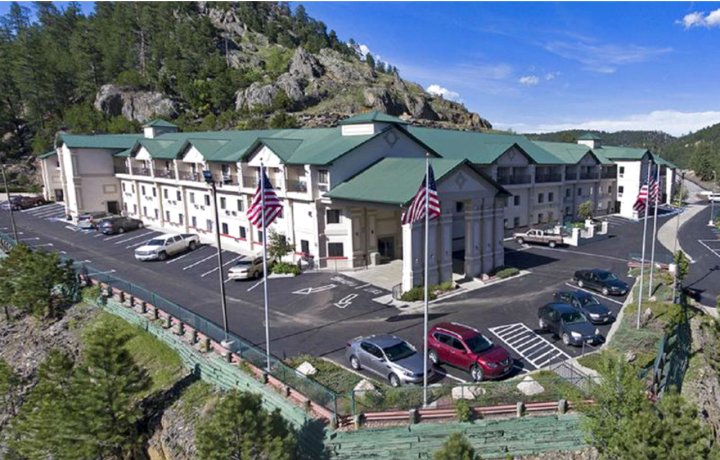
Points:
466	348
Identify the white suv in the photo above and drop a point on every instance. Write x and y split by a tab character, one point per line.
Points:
248	268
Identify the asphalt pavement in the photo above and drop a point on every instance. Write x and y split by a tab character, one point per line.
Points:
702	242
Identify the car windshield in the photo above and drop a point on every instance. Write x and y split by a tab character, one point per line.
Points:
399	351
478	344
607	276
156	242
573	317
242	263
588	300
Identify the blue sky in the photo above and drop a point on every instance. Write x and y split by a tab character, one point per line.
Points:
547	66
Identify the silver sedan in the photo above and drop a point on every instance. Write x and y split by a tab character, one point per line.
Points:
389	357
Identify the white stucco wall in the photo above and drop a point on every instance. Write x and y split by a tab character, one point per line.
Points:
90	179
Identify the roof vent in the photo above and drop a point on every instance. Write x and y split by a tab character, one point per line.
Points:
157	127
591	140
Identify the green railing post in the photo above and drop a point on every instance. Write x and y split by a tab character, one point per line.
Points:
352	402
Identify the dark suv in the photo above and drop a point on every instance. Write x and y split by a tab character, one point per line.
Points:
466	348
119	225
568	323
601	280
23	202
587	303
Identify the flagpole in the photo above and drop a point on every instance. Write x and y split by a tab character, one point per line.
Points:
425	317
652	253
265	270
642	257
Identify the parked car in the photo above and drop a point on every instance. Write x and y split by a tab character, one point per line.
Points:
535	235
466	348
601	280
91	220
568	323
119	224
388	356
587	303
248	268
163	246
18	202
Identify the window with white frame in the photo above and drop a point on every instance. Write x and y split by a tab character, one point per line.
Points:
621	172
335	250
621	189
541	197
222	202
332	216
551	197
323	180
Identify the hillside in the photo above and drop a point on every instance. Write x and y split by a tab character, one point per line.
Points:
654	140
204	65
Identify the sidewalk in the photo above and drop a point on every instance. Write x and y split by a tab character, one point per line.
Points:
666	233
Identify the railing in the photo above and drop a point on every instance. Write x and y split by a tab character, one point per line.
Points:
249	181
609	175
227	180
296	186
586	176
165	173
121	169
548	178
511	180
142	172
191	176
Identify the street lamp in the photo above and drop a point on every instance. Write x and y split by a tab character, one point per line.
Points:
10	206
207	174
712	201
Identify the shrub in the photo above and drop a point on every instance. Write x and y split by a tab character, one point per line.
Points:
507	272
417	293
91	294
285	268
463	410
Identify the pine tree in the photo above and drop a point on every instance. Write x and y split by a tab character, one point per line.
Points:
456	447
240	428
9	382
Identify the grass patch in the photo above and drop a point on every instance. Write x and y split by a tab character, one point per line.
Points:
195	397
160	361
331	375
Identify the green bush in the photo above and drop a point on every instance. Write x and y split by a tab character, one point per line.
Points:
285	268
90	294
417	293
463	410
507	272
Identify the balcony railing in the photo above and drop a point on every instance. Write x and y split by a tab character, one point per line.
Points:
121	169
511	180
165	173
226	180
586	176
548	178
142	172
250	181
192	176
296	186
609	175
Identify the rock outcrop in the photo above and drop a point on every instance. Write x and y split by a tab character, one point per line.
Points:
134	104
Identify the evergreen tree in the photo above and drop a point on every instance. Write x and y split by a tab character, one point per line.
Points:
703	161
456	447
9	382
240	428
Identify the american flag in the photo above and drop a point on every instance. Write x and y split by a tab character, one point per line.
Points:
416	211
654	190
641	201
273	207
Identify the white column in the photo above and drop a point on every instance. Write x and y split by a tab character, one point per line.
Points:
472	240
412	256
487	236
433	262
445	246
499	258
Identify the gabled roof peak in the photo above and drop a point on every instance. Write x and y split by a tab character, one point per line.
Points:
159	123
589	137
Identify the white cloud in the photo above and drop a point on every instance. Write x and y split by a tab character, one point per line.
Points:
437	90
363	51
476	78
604	58
671	121
701	19
529	80
551	75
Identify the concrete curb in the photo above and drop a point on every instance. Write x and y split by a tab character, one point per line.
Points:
666	233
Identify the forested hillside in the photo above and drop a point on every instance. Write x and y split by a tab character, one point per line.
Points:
204	65
653	140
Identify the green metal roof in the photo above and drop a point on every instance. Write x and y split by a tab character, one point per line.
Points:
396	180
570	153
589	137
47	154
621	153
369	117
479	148
159	123
99	141
662	161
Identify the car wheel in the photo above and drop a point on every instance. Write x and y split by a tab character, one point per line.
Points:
580	283
121	230
605	291
566	338
520	241
355	363
192	245
162	256
394	380
541	324
552	244
432	355
140	225
477	373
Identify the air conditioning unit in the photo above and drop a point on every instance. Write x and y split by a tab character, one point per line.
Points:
227	213
234	213
202	208
197	206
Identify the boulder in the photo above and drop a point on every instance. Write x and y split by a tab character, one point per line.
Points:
418	107
364	385
256	95
467	392
381	99
337	68
630	356
292	85
305	65
306	369
530	387
134	104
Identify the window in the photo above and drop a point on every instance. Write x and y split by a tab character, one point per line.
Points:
550	216
192	197
154	191
505	224
123	186
323	180
179	196
516	222
305	246
181	219
621	171
260	235
459	206
240	205
551	197
167	216
567	211
371	349
145	211
225	230
579	191
207	200
125	207
222	202
157	214
332	216
609	189
165	193
209	225
135	209
142	188
243	233
194	222
540	218
133	188
335	250
541	197
516	200
567	193
621	189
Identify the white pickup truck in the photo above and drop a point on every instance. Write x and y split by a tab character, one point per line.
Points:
163	246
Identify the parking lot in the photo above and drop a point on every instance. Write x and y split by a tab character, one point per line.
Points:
317	313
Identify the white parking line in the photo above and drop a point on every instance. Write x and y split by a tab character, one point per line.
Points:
256	285
30	239
134	237
450	376
119	235
134	245
594	293
200	261
527	340
40	209
224	265
189	253
102	273
42	245
98	235
708	247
